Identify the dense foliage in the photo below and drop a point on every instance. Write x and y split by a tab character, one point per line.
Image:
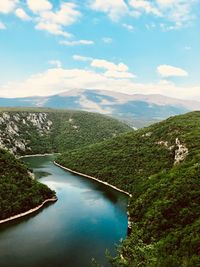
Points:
32	131
164	208
47	130
19	192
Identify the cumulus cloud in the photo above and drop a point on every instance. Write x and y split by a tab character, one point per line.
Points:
20	13
115	9
66	15
145	6
7	6
179	13
39	5
57	80
52	28
54	21
78	42
2	26
171	71
108	65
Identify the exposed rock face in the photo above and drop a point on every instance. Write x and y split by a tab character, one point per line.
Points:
180	153
15	129
165	144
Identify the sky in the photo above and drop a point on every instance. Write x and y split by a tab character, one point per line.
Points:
129	46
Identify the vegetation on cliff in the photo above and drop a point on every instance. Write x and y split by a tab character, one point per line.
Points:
19	192
32	131
159	166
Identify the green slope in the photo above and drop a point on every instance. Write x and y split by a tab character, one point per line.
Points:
160	166
19	192
30	131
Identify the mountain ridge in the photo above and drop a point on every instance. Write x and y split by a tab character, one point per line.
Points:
137	109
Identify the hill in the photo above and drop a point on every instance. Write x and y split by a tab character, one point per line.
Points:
159	166
32	131
138	110
19	191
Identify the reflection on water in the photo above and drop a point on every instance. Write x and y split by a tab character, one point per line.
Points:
87	219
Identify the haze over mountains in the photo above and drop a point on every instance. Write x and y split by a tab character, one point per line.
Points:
138	109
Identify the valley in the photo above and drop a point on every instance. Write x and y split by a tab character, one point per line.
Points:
157	165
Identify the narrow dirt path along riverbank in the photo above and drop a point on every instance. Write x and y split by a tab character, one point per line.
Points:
29	211
93	178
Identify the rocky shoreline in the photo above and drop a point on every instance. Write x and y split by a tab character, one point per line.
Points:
54	199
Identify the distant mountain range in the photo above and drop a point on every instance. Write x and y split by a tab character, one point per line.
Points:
139	110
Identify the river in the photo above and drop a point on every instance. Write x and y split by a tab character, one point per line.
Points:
88	219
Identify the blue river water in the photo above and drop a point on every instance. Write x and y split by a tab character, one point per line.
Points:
88	219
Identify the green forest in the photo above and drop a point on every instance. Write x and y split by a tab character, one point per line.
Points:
19	192
42	131
159	166
48	130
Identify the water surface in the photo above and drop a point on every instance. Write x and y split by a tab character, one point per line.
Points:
87	219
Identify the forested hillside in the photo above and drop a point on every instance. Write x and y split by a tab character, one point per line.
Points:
159	166
32	131
19	192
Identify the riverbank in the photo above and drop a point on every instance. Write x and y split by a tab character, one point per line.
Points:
54	199
93	178
38	155
102	182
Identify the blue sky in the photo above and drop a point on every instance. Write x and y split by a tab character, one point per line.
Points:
127	46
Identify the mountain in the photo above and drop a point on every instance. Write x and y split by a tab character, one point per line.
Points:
33	130
159	166
139	110
19	191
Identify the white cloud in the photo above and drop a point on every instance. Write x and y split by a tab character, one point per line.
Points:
114	8
170	71
75	43
57	80
7	6
55	63
146	6
178	13
2	26
54	22
20	13
39	5
66	15
52	28
128	26
108	65
82	58
112	70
